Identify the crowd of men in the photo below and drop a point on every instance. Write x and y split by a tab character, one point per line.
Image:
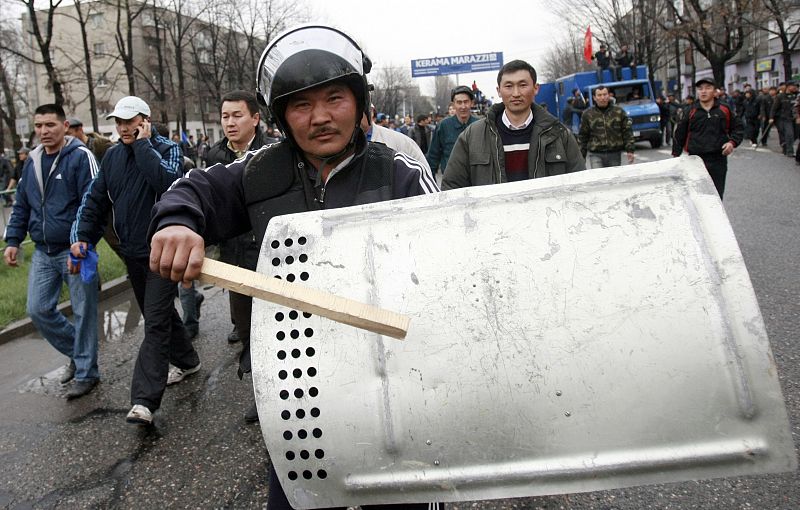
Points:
329	148
759	110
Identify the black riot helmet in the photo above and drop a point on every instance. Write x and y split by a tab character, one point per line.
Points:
305	57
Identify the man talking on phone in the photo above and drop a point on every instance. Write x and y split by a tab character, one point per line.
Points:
132	177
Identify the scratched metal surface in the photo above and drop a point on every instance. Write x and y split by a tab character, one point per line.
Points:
584	332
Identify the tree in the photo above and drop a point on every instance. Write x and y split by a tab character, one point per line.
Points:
127	13
635	23
13	96
564	57
259	22
212	49
443	86
82	13
779	18
155	74
717	29
179	20
43	35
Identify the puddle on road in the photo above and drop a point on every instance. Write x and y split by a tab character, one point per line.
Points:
118	316
28	361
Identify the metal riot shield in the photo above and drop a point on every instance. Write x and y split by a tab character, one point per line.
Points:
589	331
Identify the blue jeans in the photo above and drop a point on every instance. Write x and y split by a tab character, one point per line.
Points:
188	299
604	159
78	341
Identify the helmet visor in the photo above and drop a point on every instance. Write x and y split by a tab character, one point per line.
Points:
301	39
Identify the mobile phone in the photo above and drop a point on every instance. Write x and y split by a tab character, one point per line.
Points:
135	133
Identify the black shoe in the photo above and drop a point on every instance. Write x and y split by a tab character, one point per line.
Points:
81	388
69	373
251	416
197	302
234	337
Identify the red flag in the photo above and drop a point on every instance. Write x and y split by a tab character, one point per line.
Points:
587	45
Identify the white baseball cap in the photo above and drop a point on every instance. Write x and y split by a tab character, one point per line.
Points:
129	107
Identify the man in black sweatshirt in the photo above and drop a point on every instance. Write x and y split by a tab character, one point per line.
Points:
710	130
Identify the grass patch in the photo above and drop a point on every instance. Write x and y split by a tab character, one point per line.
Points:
14	281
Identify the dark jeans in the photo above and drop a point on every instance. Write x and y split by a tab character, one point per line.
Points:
277	498
188	297
165	339
787	129
751	129
766	127
241	310
717	166
241	313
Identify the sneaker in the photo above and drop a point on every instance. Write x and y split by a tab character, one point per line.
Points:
139	414
81	388
177	375
68	374
754	145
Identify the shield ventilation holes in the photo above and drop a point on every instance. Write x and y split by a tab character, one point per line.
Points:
296	355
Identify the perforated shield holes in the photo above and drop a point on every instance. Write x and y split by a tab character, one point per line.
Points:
294	334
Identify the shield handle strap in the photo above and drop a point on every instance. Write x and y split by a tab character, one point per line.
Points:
324	304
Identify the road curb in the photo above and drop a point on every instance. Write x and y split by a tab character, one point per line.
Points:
25	326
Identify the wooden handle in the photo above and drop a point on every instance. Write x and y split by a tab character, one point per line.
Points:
302	298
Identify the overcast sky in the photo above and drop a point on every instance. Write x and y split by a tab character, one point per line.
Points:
395	32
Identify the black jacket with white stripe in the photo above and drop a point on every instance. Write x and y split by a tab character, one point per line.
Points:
225	201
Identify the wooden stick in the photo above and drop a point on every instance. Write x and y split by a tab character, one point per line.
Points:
302	298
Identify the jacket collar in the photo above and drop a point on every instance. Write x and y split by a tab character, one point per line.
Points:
541	118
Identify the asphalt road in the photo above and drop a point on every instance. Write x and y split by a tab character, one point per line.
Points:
201	454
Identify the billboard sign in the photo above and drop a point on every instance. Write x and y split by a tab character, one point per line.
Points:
438	66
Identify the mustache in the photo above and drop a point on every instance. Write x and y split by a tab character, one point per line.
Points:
323	130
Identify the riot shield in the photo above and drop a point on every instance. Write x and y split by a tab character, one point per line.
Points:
582	332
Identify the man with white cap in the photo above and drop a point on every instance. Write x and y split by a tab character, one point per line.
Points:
132	177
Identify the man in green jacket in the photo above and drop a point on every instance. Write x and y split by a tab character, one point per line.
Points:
517	140
449	129
605	132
